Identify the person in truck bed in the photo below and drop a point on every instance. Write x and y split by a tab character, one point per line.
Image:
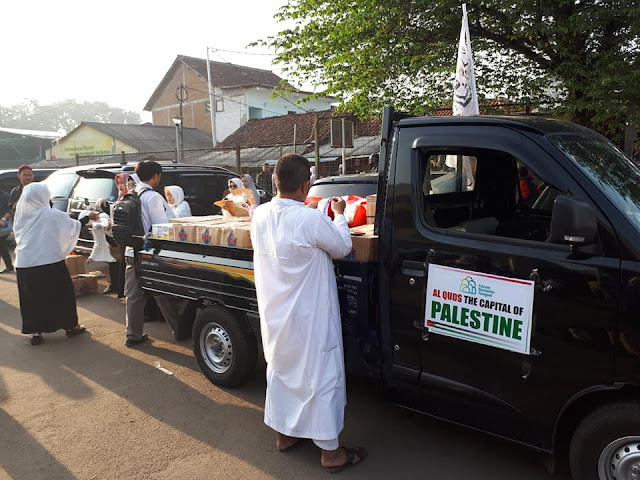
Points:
301	332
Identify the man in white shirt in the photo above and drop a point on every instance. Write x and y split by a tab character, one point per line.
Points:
300	315
152	207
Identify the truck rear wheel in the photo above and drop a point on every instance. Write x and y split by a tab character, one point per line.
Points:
606	445
225	351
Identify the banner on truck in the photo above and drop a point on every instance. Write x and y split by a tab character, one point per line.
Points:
481	308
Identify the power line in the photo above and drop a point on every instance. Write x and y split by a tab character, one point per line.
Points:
214	50
248	75
233	101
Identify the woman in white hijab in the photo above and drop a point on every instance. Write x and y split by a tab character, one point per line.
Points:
175	198
247	182
44	237
313	176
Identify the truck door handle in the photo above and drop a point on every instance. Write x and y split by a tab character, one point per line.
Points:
413	268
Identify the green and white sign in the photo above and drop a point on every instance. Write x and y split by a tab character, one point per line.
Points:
481	308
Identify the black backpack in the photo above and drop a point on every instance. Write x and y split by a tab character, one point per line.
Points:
127	221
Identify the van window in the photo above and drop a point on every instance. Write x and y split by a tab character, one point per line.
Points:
60	185
95	188
485	192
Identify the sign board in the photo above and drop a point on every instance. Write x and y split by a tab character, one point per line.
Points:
336	133
480	308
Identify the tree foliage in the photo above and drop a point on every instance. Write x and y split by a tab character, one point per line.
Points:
371	53
64	115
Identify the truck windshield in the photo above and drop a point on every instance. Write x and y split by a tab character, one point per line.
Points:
608	167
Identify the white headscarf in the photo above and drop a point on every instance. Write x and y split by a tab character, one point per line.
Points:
252	187
180	207
238	183
43	235
313	176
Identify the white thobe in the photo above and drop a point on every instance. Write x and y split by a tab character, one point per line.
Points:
300	317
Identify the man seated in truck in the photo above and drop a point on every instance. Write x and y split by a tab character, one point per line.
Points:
300	315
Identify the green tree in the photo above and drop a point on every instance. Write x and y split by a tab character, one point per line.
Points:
371	53
62	115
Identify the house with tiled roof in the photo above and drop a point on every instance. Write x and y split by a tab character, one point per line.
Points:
261	141
241	93
105	139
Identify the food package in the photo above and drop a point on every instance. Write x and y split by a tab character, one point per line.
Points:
235	236
236	209
75	264
207	234
364	244
162	231
84	284
371	208
184	232
201	219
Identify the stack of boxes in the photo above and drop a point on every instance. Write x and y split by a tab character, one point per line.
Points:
211	230
83	283
234	232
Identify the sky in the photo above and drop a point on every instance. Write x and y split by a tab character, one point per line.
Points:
117	51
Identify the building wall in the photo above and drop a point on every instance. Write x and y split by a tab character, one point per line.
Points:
194	111
239	104
261	98
87	140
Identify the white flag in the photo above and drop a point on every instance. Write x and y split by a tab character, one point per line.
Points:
465	98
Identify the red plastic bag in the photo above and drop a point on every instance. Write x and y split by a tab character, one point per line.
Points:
355	211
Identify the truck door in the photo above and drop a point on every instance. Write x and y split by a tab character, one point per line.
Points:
459	206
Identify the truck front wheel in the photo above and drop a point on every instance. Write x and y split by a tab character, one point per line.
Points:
606	445
225	352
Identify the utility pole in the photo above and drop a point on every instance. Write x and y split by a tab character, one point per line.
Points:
344	150
316	147
212	105
295	131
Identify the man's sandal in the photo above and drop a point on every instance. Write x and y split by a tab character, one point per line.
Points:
352	453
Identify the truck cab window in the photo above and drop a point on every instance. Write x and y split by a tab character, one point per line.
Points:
485	192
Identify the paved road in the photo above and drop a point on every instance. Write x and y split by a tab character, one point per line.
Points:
90	408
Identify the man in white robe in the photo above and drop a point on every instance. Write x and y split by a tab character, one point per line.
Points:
300	315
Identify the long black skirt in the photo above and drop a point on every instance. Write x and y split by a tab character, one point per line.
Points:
47	298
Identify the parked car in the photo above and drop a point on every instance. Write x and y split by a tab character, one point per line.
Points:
202	186
60	184
9	178
361	185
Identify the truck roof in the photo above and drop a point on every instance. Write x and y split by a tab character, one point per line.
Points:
536	124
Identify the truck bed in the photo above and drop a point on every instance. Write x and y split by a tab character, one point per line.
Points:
207	274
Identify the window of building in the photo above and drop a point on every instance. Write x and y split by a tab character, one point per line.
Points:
220	105
255	112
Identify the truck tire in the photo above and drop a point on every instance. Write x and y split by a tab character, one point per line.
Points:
606	444
225	351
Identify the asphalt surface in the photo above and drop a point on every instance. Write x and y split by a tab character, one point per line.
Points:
90	408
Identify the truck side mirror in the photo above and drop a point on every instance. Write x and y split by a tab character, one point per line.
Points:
573	222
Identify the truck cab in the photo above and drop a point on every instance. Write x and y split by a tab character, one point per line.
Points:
574	249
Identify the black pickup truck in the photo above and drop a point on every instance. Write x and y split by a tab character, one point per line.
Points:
505	293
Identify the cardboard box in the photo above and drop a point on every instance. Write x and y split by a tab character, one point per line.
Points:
199	220
75	264
207	234
235	236
85	284
162	231
371	208
364	244
184	232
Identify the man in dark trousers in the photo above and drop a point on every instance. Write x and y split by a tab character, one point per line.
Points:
152	207
25	175
264	179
